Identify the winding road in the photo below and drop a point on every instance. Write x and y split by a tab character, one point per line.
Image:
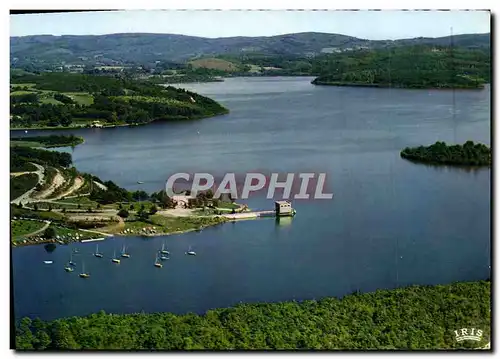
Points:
41	175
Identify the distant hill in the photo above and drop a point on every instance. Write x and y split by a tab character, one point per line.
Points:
148	48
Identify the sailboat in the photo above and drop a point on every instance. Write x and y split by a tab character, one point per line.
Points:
191	252
124	253
114	259
157	264
97	254
163	250
71	263
84	274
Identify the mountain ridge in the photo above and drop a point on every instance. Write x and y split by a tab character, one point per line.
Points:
149	47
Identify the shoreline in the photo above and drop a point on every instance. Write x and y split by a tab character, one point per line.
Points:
380	85
45	128
110	235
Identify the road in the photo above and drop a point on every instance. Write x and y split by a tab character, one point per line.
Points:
41	175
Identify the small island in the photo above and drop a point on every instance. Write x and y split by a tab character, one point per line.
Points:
468	154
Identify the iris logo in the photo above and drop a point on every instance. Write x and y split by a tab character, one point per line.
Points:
468	334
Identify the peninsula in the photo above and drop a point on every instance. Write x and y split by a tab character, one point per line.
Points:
53	202
67	100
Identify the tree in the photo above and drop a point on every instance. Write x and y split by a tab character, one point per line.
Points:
123	213
42	340
143	215
50	233
153	209
24	336
131	207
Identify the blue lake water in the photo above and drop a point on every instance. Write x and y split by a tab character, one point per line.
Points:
391	222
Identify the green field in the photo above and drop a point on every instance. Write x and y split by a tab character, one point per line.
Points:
81	98
26	144
67	233
174	224
50	100
22	227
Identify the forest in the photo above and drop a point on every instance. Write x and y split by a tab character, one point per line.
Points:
22	155
63	99
407	67
416	317
468	154
49	141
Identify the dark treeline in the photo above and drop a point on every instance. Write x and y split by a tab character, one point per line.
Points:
22	184
116	100
19	155
468	154
52	140
417	317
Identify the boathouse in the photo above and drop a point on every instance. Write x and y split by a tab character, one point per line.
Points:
283	208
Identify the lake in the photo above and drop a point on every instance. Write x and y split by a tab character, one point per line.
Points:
391	222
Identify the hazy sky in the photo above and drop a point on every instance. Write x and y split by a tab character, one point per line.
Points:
374	25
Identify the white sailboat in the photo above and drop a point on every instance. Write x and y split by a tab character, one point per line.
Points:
97	254
114	259
191	252
157	264
163	250
124	253
71	263
84	274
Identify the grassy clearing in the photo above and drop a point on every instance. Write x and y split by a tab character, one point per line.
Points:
228	205
43	215
84	201
67	233
173	224
215	64
26	144
81	98
23	85
50	100
21	92
133	206
22	184
22	227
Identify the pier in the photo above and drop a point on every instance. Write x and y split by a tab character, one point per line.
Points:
282	209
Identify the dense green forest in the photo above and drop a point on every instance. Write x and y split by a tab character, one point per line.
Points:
22	184
62	99
468	154
48	141
20	155
411	67
417	317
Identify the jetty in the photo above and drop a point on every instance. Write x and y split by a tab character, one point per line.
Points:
282	209
92	240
